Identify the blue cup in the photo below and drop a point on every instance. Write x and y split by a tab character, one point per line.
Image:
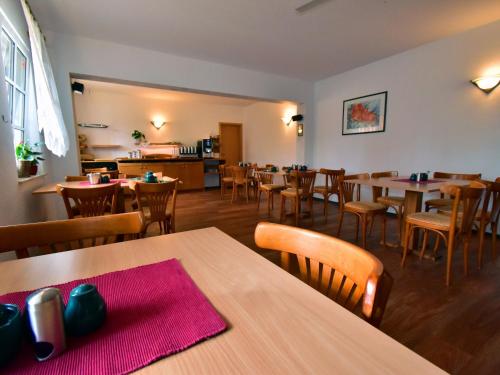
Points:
85	311
11	332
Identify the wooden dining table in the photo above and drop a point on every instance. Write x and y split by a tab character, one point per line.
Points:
414	191
277	323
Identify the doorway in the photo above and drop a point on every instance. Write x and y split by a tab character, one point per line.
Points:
231	142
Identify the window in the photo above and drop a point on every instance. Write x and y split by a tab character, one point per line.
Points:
16	64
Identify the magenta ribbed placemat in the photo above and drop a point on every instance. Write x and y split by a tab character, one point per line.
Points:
153	311
420	182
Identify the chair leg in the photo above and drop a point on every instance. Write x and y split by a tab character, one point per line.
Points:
282	208
494	231
451	245
400	222
310	199
233	193
466	253
246	190
384	224
408	231
325	206
357	228
297	210
269	199
424	243
371	224
482	229
364	220
341	219
258	199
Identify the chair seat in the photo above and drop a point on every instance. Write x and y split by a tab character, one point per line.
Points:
227	179
391	200
429	219
364	206
440	202
447	211
270	187
291	192
325	190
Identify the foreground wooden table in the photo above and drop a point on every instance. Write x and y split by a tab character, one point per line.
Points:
277	323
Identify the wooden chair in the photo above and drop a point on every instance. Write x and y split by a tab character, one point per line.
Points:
153	201
381	195
331	186
364	210
302	188
342	271
444	201
240	179
226	178
450	228
62	235
490	217
266	185
92	201
75	178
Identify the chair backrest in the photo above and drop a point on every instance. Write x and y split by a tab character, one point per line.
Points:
91	201
75	178
62	235
240	174
377	190
342	271
458	176
304	180
225	170
471	197
348	190
156	198
264	178
332	177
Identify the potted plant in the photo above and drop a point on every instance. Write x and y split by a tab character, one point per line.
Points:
28	159
138	136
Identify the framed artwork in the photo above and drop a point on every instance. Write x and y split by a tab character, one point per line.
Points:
365	114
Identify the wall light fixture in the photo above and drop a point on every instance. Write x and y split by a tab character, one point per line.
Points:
487	83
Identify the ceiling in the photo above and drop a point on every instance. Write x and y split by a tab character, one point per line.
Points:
269	35
161	94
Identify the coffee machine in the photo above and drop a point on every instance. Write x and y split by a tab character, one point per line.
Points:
205	148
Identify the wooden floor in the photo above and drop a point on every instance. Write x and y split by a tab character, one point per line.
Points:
457	328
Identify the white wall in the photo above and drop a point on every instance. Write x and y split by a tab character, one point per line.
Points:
188	120
436	119
17	204
266	138
71	54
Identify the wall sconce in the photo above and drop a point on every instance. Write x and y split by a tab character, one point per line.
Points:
487	83
158	123
300	129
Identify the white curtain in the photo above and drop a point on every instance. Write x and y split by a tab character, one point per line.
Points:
49	114
4	105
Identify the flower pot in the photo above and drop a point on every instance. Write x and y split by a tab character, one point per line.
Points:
33	169
24	168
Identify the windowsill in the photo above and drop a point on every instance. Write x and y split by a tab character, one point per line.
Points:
30	178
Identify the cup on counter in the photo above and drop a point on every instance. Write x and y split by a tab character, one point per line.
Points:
11	332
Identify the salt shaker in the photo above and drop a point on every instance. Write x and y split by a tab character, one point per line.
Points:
45	316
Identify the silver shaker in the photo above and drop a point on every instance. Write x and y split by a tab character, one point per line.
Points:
45	315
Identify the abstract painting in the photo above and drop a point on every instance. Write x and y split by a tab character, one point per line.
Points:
365	114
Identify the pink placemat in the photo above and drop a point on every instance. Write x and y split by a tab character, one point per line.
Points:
415	182
112	181
153	311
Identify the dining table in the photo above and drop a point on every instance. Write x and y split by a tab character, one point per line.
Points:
276	323
413	191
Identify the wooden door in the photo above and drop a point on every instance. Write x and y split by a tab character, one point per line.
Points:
231	143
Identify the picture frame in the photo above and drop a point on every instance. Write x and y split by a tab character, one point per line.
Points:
364	114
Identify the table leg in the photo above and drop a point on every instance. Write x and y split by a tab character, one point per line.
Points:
413	203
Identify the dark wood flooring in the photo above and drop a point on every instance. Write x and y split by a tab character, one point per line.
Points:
457	328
